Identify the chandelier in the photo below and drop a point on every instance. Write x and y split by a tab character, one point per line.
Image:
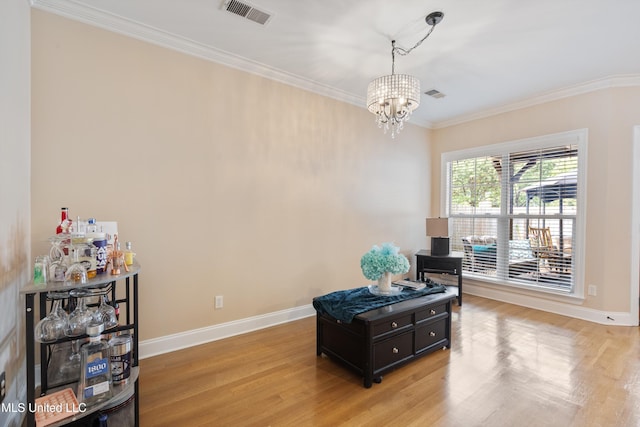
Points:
393	98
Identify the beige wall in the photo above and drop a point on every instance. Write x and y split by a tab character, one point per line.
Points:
14	197
226	183
609	115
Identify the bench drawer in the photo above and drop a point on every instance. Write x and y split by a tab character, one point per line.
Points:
394	350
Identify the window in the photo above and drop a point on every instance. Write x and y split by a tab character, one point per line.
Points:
516	211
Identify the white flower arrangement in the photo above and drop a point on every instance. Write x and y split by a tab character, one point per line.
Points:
378	261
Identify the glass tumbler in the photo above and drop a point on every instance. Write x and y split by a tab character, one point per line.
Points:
41	270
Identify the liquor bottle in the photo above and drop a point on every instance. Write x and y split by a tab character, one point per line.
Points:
117	258
100	243
95	377
128	254
64	223
92	227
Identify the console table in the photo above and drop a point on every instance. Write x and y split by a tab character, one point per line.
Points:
444	264
383	339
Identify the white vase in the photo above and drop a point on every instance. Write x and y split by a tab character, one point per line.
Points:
384	282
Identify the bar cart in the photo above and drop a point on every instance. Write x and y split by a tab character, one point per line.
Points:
127	300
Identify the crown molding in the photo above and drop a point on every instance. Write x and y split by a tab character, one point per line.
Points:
99	18
137	30
623	80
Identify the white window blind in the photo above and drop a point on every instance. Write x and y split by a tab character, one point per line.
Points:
514	210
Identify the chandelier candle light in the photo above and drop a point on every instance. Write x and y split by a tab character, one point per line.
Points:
393	98
380	263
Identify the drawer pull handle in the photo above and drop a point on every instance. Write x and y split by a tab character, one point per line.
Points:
395	350
432	311
394	325
432	334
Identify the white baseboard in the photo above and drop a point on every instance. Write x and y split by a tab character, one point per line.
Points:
617	318
169	343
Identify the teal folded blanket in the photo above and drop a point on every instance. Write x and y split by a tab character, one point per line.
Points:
345	305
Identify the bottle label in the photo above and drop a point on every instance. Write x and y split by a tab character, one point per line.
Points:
120	367
101	254
97	367
96	389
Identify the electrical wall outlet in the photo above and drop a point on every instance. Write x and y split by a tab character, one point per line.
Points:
3	386
219	301
592	290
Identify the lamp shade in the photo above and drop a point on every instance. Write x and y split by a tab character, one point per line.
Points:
437	227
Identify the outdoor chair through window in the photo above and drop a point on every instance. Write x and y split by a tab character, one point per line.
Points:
541	242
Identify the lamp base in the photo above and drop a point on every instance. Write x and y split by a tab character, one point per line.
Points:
439	246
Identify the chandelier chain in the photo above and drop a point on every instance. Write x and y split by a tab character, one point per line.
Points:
404	52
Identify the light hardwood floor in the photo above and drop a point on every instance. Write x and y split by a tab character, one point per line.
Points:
508	366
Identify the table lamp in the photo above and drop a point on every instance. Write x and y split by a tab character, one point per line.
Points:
438	230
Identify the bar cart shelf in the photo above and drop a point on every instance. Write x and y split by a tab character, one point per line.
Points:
128	323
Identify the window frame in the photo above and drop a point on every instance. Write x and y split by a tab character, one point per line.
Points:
579	138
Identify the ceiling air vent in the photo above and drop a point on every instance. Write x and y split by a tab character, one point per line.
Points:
247	11
435	93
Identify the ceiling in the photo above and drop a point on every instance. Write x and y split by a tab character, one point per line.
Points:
485	56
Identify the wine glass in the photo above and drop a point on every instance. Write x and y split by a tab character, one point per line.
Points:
81	316
105	313
52	327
